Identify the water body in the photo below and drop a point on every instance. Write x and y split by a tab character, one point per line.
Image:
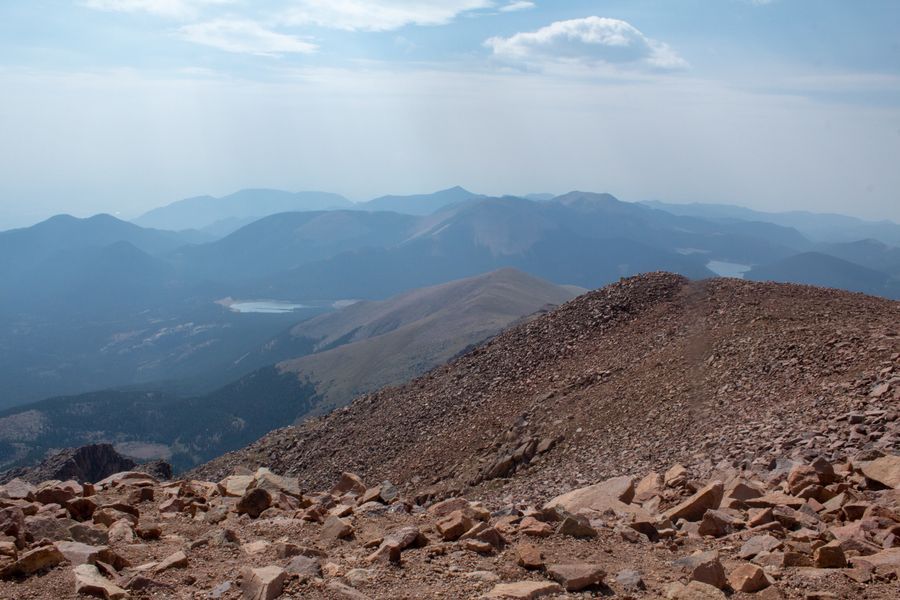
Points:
270	307
727	269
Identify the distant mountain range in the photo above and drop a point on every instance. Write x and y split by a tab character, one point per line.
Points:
818	227
217	217
209	212
420	204
356	349
137	337
97	303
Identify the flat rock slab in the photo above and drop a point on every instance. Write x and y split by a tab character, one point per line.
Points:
885	470
89	582
612	494
696	506
524	590
173	561
575	577
694	591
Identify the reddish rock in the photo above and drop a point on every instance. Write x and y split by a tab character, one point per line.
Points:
89	582
523	590
32	561
576	526
266	583
454	525
254	502
178	560
349	483
534	528
693	509
884	470
529	556
757	544
703	567
576	576
748	578
336	528
830	556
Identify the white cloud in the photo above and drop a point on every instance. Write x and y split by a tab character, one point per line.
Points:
590	40
176	9
517	5
378	15
245	37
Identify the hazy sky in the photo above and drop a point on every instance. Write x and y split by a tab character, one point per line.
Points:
122	105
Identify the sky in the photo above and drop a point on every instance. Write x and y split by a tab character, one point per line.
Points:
120	106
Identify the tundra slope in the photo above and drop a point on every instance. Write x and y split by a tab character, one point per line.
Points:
638	375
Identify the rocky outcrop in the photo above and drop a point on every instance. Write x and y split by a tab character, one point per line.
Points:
87	463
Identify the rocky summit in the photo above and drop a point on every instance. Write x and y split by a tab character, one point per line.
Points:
801	530
658	438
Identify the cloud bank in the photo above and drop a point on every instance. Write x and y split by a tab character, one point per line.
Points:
245	37
378	15
590	40
175	9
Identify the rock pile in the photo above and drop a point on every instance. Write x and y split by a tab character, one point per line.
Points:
803	529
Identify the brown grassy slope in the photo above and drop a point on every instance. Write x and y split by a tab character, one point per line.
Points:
643	373
391	341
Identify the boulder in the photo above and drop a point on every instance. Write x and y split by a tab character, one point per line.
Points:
693	509
445	507
265	583
830	556
18	489
630	580
612	494
676	476
651	485
274	484
81	509
336	528
44	557
576	576
89	582
454	525
758	544
42	527
694	590
748	578
349	483
576	526
12	523
532	527
703	567
58	492
529	556
80	554
304	568
717	523
523	590
254	502
885	470
234	486
126	477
